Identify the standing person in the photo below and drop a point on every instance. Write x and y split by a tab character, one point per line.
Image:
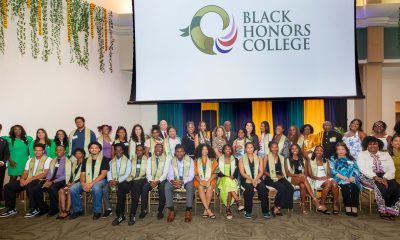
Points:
35	169
251	136
239	144
18	144
219	140
281	140
4	156
394	151
121	136
105	139
329	138
265	139
251	170
163	129
156	174
379	131
353	138
345	172
205	176
93	178
170	142
61	138
188	141
180	176
137	138
81	137
43	138
397	128
230	135
153	141
295	137
310	140
202	135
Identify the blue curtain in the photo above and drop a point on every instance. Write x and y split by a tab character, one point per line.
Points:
296	112
191	112
336	112
280	110
172	113
241	114
225	113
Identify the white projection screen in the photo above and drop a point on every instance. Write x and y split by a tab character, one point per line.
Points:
236	50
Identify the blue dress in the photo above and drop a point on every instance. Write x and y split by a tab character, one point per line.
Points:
345	167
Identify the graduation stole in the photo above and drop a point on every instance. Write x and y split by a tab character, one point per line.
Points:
186	166
87	140
271	165
314	166
157	171
153	143
204	175
89	162
122	167
67	168
266	143
40	167
281	143
246	165
78	173
143	167
132	149
100	139
203	139
167	147
221	165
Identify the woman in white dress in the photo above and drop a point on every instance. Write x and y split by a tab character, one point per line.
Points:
171	141
379	131
353	138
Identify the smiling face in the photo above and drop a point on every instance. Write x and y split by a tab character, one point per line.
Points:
240	134
220	132
373	147
17	132
228	151
203	126
119	151
294	150
341	151
105	130
227	126
249	148
163	125
38	151
274	148
41	135
249	128
79	123
378	127
94	149
318	152
121	134
307	130
158	150
172	133
396	143
60	135
60	151
292	131
279	130
355	125
139	151
155	133
327	126
179	153
190	128
204	151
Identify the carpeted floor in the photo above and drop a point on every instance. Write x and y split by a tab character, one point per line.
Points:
290	226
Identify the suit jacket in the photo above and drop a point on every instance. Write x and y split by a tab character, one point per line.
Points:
162	135
232	137
4	150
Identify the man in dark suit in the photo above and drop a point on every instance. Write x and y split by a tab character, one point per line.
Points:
230	135
4	156
164	129
329	139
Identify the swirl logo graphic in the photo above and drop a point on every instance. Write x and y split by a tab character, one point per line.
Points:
205	43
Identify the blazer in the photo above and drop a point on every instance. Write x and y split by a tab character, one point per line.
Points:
4	150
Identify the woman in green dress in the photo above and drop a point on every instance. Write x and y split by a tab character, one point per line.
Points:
228	185
18	144
43	138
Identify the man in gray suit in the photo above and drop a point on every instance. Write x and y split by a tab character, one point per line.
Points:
230	135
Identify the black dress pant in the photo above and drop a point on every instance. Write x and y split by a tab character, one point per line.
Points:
2	175
161	195
34	192
140	188
122	189
249	194
53	193
391	195
284	195
351	195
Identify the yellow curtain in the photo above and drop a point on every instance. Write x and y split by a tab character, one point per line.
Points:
209	106
262	111
314	114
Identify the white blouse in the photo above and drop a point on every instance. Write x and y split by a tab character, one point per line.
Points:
366	163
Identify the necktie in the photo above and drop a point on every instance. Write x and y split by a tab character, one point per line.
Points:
227	135
165	134
55	170
157	161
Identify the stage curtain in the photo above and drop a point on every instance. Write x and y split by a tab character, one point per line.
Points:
210	106
242	113
280	111
296	112
172	113
336	112
262	111
191	112
225	113
314	113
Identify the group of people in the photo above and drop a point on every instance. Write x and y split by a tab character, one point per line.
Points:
226	162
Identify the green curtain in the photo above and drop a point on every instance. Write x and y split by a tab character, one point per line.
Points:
225	113
296	112
172	113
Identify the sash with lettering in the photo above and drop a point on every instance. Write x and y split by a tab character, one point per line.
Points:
76	174
142	172
157	171
314	170
204	175
186	167
97	166
67	168
221	165
100	139
271	165
40	167
153	143
122	167
246	165
87	140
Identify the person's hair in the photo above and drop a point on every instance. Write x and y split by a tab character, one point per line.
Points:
100	128
81	118
140	145
117	136
307	125
46	137
81	150
371	139
179	146
12	134
1	126
240	129
266	125
342	144
296	136
158	144
227	146
60	146
390	146
121	145
97	144
300	154
359	123
199	125
397	128
40	145
133	134
155	128
169	128
313	155
272	143
254	128
223	131
279	125
57	140
189	123
199	149
384	125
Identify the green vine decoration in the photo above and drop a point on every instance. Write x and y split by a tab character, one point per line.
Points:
18	11
56	19
46	49
2	42
34	28
111	47
99	22
80	23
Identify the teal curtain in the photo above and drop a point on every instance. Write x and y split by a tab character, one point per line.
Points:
172	113
225	113
296	112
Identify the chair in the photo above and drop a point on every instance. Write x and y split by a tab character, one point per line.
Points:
329	198
369	194
220	200
298	201
153	198
197	200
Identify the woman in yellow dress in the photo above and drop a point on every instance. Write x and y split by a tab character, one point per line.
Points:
310	141
394	150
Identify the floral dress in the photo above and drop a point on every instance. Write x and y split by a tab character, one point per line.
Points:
354	144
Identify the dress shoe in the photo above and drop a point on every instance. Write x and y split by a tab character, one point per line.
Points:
188	216
171	216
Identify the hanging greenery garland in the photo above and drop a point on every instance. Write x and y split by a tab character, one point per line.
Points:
80	23
99	20
39	12
46	49
105	30
56	19
111	48
18	11
2	42
69	20
28	3
34	27
92	7
4	7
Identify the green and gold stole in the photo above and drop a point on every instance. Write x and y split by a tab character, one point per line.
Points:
40	167
153	143
67	168
271	165
246	165
87	140
122	167
186	167
157	171
221	165
97	166
142	172
204	175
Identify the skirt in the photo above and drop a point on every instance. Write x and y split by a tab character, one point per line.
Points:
225	186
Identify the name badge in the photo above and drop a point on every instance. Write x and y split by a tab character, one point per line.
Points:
332	139
57	165
75	137
350	162
126	144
